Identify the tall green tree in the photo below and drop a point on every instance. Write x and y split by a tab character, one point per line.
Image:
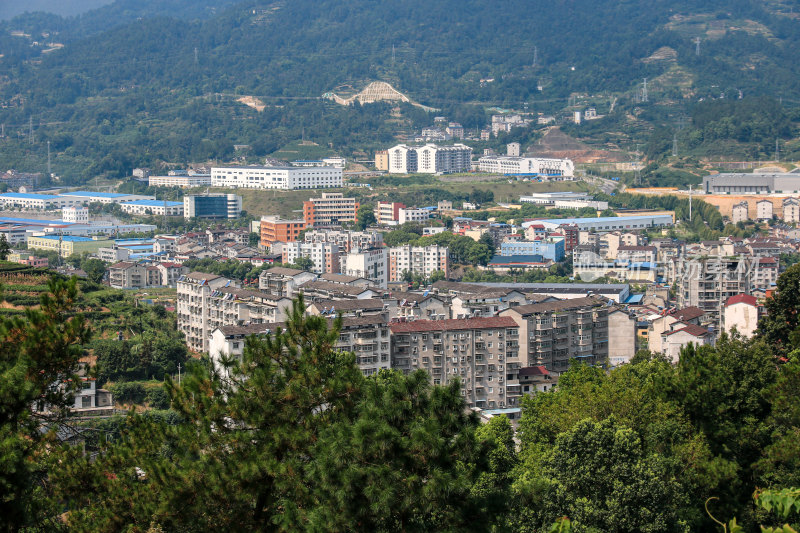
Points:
39	355
365	217
780	326
5	248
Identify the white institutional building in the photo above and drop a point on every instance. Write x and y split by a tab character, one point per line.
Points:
276	177
504	164
429	159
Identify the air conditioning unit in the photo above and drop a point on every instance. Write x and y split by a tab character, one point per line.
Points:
500	357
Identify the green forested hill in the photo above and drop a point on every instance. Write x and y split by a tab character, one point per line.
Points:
164	80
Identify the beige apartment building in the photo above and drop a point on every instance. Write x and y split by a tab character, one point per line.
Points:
553	333
483	353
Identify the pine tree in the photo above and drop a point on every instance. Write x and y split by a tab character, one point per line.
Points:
38	359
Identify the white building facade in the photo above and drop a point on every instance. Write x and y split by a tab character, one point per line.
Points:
277	177
500	164
429	159
370	264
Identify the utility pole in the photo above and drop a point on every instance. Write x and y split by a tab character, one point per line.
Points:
49	170
179	374
30	129
393	55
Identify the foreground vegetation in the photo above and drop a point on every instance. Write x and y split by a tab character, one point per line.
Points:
293	438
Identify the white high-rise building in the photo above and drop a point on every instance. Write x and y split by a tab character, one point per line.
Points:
323	255
421	260
370	264
430	159
276	177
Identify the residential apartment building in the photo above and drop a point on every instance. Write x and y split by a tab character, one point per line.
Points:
212	206
739	213
388	213
535	166
194	292
791	210
206	302
324	256
708	281
127	275
371	263
330	210
429	159
277	177
382	160
482	353
553	333
283	281
410	214
419	260
764	210
367	337
346	240
274	229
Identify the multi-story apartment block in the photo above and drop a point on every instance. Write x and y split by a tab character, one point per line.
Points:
429	159
283	281
324	256
346	240
764	209
708	281
419	260
410	214
382	160
212	206
637	254
330	210
126	275
388	213
739	213
791	210
765	273
553	333
207	302
277	177
194	291
274	229
367	337
75	214
371	263
483	353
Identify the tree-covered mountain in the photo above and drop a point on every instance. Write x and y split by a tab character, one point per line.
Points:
161	71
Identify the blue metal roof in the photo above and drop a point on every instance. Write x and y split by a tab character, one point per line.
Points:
516	259
153	203
634	299
598	220
95	194
34	222
28	196
66	238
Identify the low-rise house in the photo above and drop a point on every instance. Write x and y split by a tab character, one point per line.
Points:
741	313
676	339
536	379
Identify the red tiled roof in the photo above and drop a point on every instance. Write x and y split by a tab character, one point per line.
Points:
453	324
691	329
768	260
534	371
742	298
688	313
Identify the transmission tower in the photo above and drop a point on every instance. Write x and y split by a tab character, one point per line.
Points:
535	55
392	55
49	171
777	151
195	55
30	129
675	145
644	91
697	46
